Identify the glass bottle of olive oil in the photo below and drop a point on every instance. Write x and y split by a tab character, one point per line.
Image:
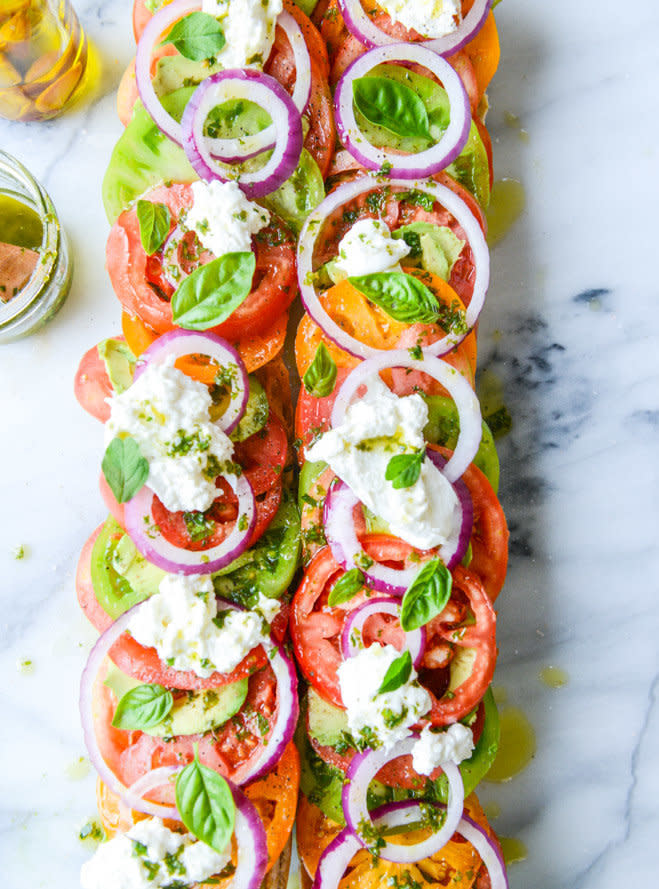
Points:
43	54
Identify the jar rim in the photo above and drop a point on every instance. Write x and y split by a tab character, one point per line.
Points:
14	170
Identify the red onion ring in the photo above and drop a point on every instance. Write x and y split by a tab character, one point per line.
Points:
346	192
251	842
132	799
337	856
255	87
160	22
170	255
288	711
249	831
367	32
150	542
363	769
404	166
154	778
415	640
463	396
244	147
338	521
180	343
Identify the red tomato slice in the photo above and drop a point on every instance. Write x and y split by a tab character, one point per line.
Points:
262	456
229	749
91	385
141	289
489	538
144	664
320	140
460	652
312	415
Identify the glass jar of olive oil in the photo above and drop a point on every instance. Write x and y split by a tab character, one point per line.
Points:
43	54
35	263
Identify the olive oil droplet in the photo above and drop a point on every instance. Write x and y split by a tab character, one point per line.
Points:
513	849
507	201
516	747
554	677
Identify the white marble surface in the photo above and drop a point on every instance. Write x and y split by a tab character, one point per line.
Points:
571	329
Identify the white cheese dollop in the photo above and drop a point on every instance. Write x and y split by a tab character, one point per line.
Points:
181	622
249	29
433	748
375	428
223	218
136	860
430	18
387	716
368	248
166	412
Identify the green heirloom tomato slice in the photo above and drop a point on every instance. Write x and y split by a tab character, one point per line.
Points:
144	157
120	575
269	566
443	428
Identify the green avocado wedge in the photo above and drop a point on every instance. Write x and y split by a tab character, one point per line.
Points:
194	712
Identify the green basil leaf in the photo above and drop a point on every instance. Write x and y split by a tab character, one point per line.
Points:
142	707
398	673
124	468
205	804
403	297
154	222
213	291
391	105
403	470
320	377
427	595
346	587
197	36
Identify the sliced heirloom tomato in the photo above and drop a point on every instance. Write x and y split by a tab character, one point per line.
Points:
489	536
457	864
230	748
139	284
92	385
262	457
460	654
274	797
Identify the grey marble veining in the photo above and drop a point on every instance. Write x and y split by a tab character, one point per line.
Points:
570	328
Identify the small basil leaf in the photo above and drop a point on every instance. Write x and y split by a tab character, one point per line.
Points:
403	470
403	297
398	673
124	468
143	707
154	222
346	587
213	291
427	595
391	105
320	377
197	36
205	804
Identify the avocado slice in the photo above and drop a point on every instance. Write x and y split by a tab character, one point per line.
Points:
119	363
325	722
194	712
257	411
